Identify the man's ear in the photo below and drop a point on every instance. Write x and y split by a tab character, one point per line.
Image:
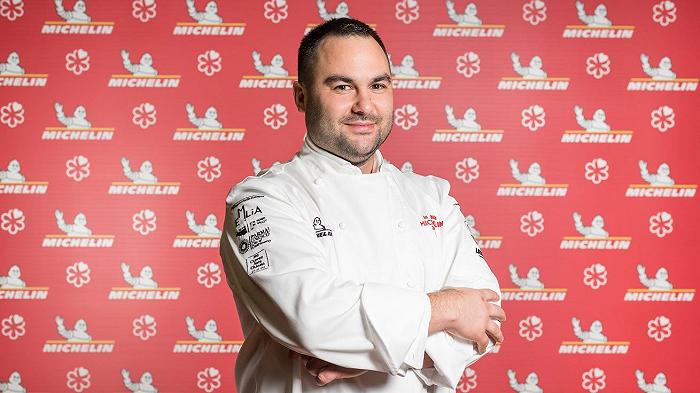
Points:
299	96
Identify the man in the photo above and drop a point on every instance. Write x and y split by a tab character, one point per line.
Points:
349	275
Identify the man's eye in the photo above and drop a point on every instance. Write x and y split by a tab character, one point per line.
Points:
379	86
342	88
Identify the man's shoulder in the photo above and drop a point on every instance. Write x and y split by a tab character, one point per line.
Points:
434	186
274	182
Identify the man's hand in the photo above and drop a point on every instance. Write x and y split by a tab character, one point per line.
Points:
468	314
325	373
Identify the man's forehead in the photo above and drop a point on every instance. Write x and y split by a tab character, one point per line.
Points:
342	52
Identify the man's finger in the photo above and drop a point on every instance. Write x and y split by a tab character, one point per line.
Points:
489	295
496	312
481	343
494	332
314	366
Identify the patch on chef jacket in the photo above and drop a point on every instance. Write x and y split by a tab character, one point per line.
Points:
478	251
430	220
321	230
257	262
251	225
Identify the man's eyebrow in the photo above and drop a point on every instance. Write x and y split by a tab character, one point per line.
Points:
384	77
342	78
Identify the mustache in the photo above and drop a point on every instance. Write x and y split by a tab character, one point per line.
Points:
363	118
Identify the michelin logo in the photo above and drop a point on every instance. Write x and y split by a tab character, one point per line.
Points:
468	24
466	129
483	242
596	25
657	386
142	74
594	237
142	287
658	288
207	22
75	21
532	77
13	384
208	128
661	78
341	11
76	340
271	76
531	183
13	182
206	235
76	127
143	182
530	287
145	384
13	287
406	76
659	184
207	340
529	386
595	130
12	74
77	234
593	341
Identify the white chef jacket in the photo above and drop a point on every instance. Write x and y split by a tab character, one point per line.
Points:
336	264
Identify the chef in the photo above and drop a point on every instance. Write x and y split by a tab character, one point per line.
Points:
348	274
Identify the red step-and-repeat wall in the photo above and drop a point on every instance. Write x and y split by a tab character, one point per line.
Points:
568	131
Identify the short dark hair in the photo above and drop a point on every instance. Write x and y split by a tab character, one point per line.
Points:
341	27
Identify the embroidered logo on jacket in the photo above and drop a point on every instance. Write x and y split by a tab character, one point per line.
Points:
430	220
320	229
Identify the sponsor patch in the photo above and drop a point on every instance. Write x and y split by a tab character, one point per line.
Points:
257	262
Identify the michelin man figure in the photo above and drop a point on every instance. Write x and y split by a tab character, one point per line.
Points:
77	15
79	332
530	385
143	68
661	178
209	334
659	385
143	176
596	124
598	19
407	167
467	123
595	335
78	227
13	280
13	385
12	175
531	178
274	70
592	232
210	121
77	121
405	69
145	384
341	11
470	222
208	17
143	281
12	66
662	73
468	18
532	281
658	283
532	71
209	228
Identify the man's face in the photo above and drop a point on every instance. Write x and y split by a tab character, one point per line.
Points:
348	100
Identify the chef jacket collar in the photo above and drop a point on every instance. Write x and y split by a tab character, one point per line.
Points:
327	161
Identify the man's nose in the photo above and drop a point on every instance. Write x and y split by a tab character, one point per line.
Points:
363	101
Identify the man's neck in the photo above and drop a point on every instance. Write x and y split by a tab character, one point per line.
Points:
369	166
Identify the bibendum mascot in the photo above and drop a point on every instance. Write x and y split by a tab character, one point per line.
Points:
78	228
532	71
660	178
530	385
466	123
77	121
662	72
79	332
599	17
13	384
76	15
592	232
12	174
272	70
11	67
12	280
594	335
210	15
143	281
533	177
596	124
658	386
209	334
532	281
209	228
210	121
341	11
468	18
145	384
143	176
405	68
143	68
658	283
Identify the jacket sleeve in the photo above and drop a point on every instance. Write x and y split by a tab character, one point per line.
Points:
275	265
465	267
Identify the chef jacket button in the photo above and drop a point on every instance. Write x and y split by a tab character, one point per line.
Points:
401	225
341	225
318	181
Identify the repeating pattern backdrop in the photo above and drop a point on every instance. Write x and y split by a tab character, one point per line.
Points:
567	130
